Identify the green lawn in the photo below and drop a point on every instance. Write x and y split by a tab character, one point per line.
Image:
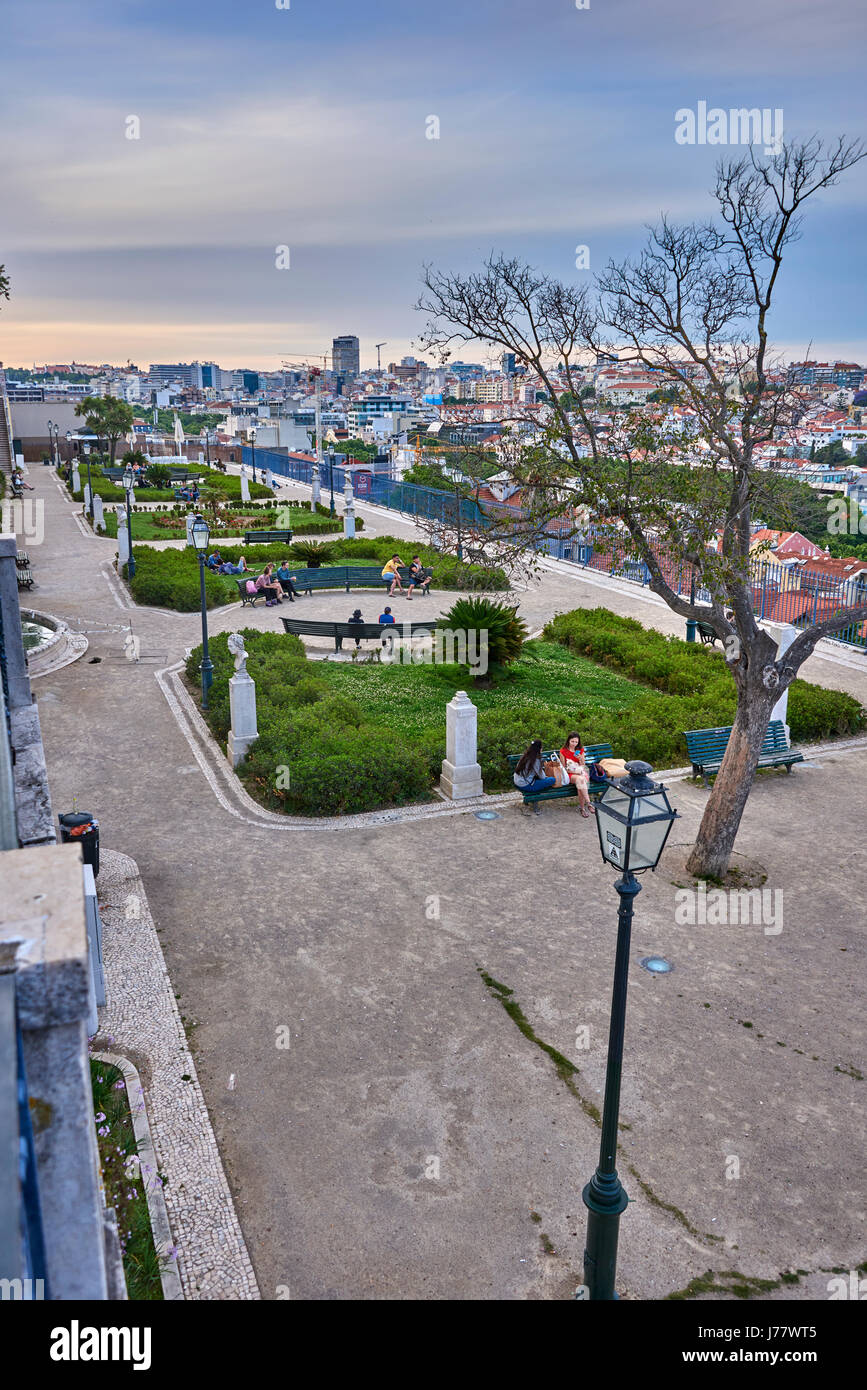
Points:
412	699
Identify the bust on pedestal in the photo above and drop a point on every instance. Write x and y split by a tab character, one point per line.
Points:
461	775
348	507
242	703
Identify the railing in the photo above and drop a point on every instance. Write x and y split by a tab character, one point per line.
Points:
8	814
780	594
22	1243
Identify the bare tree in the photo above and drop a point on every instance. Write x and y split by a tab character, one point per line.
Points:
694	307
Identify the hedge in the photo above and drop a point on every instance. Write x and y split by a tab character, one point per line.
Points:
316	754
320	753
170	578
110	492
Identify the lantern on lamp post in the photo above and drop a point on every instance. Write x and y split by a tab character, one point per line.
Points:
633	818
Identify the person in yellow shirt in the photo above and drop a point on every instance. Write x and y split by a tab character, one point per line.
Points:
392	571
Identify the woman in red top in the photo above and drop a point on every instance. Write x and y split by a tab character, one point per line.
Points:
572	754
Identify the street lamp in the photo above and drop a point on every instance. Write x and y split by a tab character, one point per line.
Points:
207	446
633	817
201	535
331	507
251	435
68	447
128	483
53	435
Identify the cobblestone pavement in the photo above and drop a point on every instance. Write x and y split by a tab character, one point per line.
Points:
336	983
141	1021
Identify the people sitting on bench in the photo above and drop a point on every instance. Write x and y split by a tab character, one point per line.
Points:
287	583
572	754
270	587
356	621
392	571
529	773
417	577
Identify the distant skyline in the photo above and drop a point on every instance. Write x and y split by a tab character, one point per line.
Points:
305	128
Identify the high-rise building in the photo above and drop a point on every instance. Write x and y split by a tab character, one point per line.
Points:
507	364
344	357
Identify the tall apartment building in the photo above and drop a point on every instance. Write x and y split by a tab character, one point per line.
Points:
345	357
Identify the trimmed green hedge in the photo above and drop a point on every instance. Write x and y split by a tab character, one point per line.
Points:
170	578
316	753
110	492
321	753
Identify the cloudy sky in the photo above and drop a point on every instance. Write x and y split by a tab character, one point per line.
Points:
305	127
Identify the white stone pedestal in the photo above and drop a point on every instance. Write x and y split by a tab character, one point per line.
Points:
317	488
461	775
784	635
242	706
122	539
98	512
87	497
245	484
76	479
349	508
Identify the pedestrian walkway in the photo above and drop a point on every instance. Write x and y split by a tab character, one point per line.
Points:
385	1128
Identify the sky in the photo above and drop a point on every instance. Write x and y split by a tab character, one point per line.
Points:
305	126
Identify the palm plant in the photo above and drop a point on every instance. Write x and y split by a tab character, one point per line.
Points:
504	631
313	553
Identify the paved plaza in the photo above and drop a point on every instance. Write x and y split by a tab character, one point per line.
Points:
387	1128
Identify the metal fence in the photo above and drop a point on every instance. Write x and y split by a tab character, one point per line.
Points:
780	594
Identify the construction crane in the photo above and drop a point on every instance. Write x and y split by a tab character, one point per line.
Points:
378	358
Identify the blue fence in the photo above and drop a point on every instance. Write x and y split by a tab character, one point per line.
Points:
22	1242
797	596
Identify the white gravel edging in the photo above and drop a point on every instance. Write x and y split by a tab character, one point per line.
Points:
160	1227
141	1019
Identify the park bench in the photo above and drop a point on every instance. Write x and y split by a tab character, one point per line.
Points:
267	537
337	577
706	748
403	573
301	627
249	599
592	753
707	634
24	577
22	559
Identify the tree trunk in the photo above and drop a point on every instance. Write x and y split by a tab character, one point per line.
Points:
722	817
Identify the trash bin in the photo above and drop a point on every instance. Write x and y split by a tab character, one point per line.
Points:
80	828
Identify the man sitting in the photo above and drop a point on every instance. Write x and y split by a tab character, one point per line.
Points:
416	578
214	560
386	616
287	580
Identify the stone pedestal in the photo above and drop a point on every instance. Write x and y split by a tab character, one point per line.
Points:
349	508
784	635
190	518
245	484
87	498
317	488
461	775
98	512
122	538
242	706
76	478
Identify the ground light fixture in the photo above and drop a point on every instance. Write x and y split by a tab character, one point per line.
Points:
633	818
128	481
201	535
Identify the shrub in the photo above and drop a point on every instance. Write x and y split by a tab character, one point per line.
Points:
321	551
367	770
503	630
